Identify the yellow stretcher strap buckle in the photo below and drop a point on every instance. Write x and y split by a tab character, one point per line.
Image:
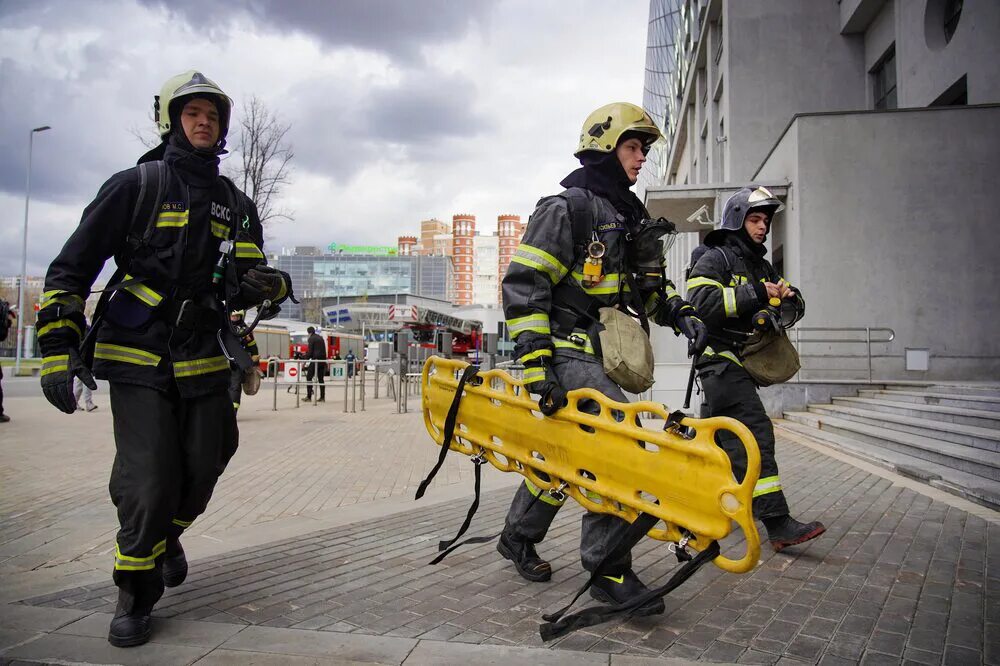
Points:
608	462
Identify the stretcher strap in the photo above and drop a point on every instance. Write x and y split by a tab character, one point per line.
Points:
448	547
557	624
449	428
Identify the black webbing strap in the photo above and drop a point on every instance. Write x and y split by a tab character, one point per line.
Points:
636	530
449	428
557	625
448	547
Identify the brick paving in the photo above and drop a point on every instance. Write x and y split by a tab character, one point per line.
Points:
54	469
898	578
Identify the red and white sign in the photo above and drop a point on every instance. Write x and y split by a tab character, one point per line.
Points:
404	313
292	371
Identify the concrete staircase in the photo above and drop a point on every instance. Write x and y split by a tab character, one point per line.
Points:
946	435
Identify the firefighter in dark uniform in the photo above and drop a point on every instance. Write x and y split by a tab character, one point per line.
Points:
729	283
244	380
551	298
158	336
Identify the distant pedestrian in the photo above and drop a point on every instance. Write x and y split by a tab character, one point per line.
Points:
350	358
81	389
8	318
316	351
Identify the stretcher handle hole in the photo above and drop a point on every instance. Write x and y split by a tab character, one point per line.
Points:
496	440
463	428
591	495
647	446
587	428
502	459
647	497
537	414
587	474
537	456
496	403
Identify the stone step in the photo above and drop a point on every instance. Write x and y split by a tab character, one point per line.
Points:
982	402
985	464
971	487
989	390
980	438
973	417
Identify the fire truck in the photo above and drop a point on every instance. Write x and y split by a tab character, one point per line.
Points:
283	338
425	325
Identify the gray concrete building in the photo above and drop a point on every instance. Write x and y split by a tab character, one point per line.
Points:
877	122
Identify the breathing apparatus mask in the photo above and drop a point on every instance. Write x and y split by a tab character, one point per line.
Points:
647	251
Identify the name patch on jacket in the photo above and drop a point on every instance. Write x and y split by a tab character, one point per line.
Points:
173	206
610	226
221	212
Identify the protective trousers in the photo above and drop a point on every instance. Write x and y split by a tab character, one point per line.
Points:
236	387
600	532
169	453
731	391
316	370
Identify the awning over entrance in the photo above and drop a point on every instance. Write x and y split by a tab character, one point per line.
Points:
696	207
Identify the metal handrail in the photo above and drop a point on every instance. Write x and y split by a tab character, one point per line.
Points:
890	335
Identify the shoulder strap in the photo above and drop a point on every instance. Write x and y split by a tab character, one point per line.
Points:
152	190
582	213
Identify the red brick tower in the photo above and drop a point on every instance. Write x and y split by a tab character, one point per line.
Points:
463	228
405	245
509	230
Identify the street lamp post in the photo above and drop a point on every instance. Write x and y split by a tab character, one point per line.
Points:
24	256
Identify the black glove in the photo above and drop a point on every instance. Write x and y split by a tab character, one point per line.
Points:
553	398
541	380
262	283
695	331
58	372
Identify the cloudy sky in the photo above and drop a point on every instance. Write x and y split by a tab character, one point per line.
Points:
399	109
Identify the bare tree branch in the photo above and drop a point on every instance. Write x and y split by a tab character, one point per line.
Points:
266	157
149	135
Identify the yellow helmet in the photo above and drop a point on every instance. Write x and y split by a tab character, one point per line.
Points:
605	126
190	83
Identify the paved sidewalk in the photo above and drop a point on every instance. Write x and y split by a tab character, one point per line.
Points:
904	572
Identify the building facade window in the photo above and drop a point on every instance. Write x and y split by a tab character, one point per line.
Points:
884	81
952	12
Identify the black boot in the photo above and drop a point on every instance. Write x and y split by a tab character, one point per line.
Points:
525	559
175	566
785	531
131	624
623	588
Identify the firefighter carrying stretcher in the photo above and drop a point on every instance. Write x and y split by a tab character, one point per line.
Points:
589	256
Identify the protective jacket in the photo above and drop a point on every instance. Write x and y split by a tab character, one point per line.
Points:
546	302
148	336
726	286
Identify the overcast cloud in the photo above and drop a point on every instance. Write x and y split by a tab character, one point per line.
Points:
400	109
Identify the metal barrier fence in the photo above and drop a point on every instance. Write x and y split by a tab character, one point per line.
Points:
337	373
297	375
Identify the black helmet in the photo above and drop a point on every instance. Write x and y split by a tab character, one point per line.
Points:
751	199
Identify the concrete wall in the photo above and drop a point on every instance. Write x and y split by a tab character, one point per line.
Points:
928	66
784	57
896	225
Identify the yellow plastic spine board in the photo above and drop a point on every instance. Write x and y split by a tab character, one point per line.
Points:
606	462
